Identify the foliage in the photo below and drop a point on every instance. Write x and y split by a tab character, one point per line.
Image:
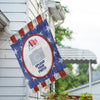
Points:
66	96
71	80
65	8
67	81
86	95
83	75
98	68
61	33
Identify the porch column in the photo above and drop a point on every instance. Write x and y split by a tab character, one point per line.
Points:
90	78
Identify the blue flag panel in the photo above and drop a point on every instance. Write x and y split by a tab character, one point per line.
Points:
37	54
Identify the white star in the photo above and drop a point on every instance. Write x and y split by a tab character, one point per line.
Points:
41	33
48	28
49	39
33	78
20	59
54	53
35	27
25	70
60	60
54	66
21	47
15	51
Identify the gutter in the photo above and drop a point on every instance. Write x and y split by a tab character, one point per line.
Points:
3	19
59	23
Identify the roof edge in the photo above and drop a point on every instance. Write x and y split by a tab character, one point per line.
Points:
74	55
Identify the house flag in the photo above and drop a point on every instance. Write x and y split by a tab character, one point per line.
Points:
37	54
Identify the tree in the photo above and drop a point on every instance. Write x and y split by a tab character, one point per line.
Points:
61	32
71	80
83	74
98	68
66	82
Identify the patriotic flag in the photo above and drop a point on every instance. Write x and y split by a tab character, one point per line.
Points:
37	54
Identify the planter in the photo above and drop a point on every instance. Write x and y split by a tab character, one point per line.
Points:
72	97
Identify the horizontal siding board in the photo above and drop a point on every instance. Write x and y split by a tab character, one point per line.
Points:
3	42
7	54
11	73
13	98
13	7
12	90
16	25
12	82
9	63
10	1
16	16
4	36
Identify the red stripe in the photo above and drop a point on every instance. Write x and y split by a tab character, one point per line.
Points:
43	84
36	89
13	39
30	25
62	73
52	79
21	32
39	19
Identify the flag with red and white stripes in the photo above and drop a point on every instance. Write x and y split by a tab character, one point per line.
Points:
37	54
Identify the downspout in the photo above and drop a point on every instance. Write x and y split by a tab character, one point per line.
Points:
59	23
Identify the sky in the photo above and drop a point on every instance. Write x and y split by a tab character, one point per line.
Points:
84	20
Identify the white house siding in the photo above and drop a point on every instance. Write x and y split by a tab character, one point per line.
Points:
15	10
12	83
33	9
85	88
